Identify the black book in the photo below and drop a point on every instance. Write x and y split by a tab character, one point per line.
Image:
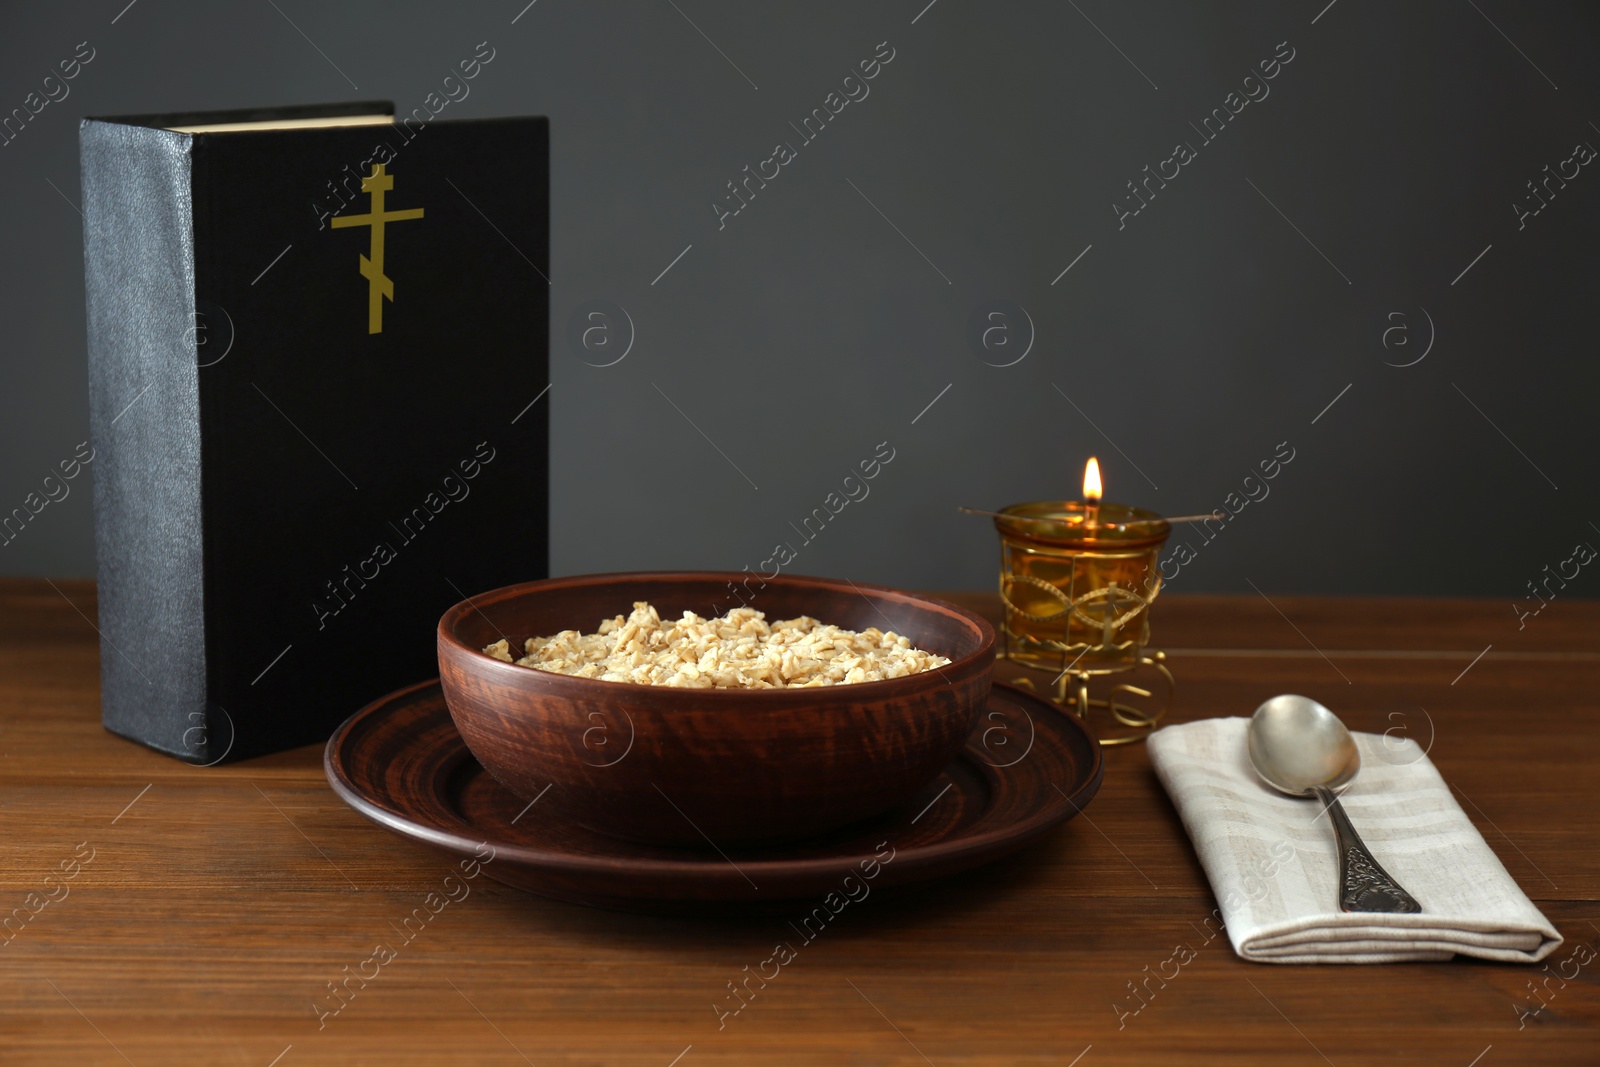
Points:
317	366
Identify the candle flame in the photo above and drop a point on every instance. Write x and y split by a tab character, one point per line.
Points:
1091	481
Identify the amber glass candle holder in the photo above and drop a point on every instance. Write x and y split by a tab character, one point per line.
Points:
1077	580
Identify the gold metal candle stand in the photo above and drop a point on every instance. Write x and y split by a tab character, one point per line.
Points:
1077	579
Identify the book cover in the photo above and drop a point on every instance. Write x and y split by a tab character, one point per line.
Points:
317	365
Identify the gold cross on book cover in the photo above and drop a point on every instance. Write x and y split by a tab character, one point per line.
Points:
379	284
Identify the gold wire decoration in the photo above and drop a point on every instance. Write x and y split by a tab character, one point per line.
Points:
1074	691
1077	581
1141	721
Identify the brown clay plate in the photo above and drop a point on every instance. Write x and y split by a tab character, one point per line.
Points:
1027	768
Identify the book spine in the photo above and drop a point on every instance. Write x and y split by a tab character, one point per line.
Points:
144	423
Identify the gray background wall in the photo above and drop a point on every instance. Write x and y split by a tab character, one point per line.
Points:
1181	348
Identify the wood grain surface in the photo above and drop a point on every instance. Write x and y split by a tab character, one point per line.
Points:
179	915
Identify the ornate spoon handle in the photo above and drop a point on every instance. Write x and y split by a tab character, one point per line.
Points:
1363	884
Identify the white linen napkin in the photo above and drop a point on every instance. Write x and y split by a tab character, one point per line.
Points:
1273	866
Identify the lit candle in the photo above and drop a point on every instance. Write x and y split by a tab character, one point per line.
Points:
1076	576
1092	491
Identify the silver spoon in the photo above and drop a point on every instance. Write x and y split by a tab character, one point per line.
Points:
1301	748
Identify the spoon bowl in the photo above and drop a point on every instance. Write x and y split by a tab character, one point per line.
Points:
1297	744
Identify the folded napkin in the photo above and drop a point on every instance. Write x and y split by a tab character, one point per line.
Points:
1274	869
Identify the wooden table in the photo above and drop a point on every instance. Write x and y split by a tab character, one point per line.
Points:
219	902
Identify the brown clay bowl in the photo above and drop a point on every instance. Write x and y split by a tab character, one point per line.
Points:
709	768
